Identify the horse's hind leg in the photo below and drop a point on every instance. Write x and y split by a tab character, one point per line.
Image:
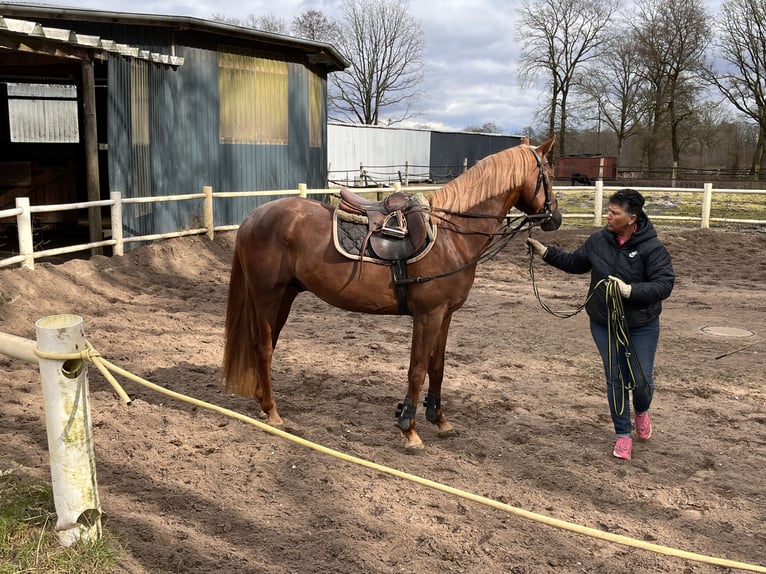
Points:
434	411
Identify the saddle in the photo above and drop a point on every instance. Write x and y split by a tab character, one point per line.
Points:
397	226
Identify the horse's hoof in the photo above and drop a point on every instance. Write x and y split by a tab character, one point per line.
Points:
412	444
275	420
445	429
446	433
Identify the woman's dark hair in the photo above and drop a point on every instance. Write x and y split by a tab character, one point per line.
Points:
630	200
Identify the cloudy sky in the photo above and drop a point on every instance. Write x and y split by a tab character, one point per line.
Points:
470	49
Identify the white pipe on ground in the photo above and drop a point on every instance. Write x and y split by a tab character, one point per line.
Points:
70	437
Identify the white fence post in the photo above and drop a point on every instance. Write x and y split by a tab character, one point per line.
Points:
707	202
70	437
118	248
598	203
24	223
208	211
302	187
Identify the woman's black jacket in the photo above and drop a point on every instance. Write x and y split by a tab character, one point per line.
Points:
643	262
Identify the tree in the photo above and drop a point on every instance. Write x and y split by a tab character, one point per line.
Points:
671	39
742	80
486	128
559	37
265	22
384	45
314	25
612	87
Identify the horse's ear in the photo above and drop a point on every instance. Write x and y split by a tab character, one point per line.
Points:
546	148
524	141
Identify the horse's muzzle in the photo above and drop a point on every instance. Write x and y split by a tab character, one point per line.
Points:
552	223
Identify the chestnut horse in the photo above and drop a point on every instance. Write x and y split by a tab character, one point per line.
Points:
286	246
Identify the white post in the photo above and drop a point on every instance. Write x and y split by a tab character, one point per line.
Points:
707	202
70	437
24	223
208	211
302	187
118	249
598	203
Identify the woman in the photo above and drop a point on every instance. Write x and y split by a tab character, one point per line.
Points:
627	260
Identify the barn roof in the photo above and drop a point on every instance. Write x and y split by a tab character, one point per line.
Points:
318	53
29	36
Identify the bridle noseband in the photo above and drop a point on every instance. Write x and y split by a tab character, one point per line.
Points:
542	182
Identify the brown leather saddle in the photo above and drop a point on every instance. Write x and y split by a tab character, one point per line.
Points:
397	226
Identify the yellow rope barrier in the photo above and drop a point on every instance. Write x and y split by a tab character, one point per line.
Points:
90	354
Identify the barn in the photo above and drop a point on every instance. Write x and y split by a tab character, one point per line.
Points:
151	105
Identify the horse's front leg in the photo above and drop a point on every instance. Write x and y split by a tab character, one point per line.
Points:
425	332
433	402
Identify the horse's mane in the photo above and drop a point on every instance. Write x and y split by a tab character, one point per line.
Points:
492	176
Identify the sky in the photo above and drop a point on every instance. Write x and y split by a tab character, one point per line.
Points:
470	53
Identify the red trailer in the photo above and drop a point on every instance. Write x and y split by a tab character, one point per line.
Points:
585	168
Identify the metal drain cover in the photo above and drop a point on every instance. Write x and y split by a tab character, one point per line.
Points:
727	332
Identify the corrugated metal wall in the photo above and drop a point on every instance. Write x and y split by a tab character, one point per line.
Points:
438	156
380	149
450	149
179	112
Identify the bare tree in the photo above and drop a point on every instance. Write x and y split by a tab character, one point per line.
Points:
671	39
613	88
384	45
742	80
264	22
559	37
486	128
314	25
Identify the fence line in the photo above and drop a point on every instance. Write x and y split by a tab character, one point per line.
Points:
27	254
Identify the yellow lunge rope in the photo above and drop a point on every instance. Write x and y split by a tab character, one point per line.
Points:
107	368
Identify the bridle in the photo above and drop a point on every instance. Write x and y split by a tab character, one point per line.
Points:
544	183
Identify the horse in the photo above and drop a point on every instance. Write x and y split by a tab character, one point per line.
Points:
285	247
581	178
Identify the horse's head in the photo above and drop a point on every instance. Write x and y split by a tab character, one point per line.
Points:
539	200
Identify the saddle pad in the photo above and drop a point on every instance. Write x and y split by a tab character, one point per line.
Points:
349	231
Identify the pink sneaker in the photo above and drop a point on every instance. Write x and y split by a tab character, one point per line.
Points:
643	426
623	448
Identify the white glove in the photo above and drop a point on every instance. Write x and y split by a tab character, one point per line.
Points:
536	247
624	288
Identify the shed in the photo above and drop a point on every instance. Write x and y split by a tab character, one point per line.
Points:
177	103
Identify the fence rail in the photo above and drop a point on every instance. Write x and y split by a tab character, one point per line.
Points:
27	254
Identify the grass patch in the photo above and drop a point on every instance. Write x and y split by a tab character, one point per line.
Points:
28	542
665	203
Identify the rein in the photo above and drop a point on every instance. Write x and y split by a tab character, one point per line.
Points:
618	335
499	240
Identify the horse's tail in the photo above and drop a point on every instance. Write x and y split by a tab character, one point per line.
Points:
239	372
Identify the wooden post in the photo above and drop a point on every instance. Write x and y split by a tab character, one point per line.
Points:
707	202
24	224
598	203
302	189
119	247
70	435
90	137
208	211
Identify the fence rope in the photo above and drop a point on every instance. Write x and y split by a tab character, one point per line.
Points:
107	368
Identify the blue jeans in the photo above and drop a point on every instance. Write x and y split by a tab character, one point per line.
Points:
644	342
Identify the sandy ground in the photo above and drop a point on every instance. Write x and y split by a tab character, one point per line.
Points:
190	491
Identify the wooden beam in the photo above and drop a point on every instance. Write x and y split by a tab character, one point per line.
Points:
90	139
